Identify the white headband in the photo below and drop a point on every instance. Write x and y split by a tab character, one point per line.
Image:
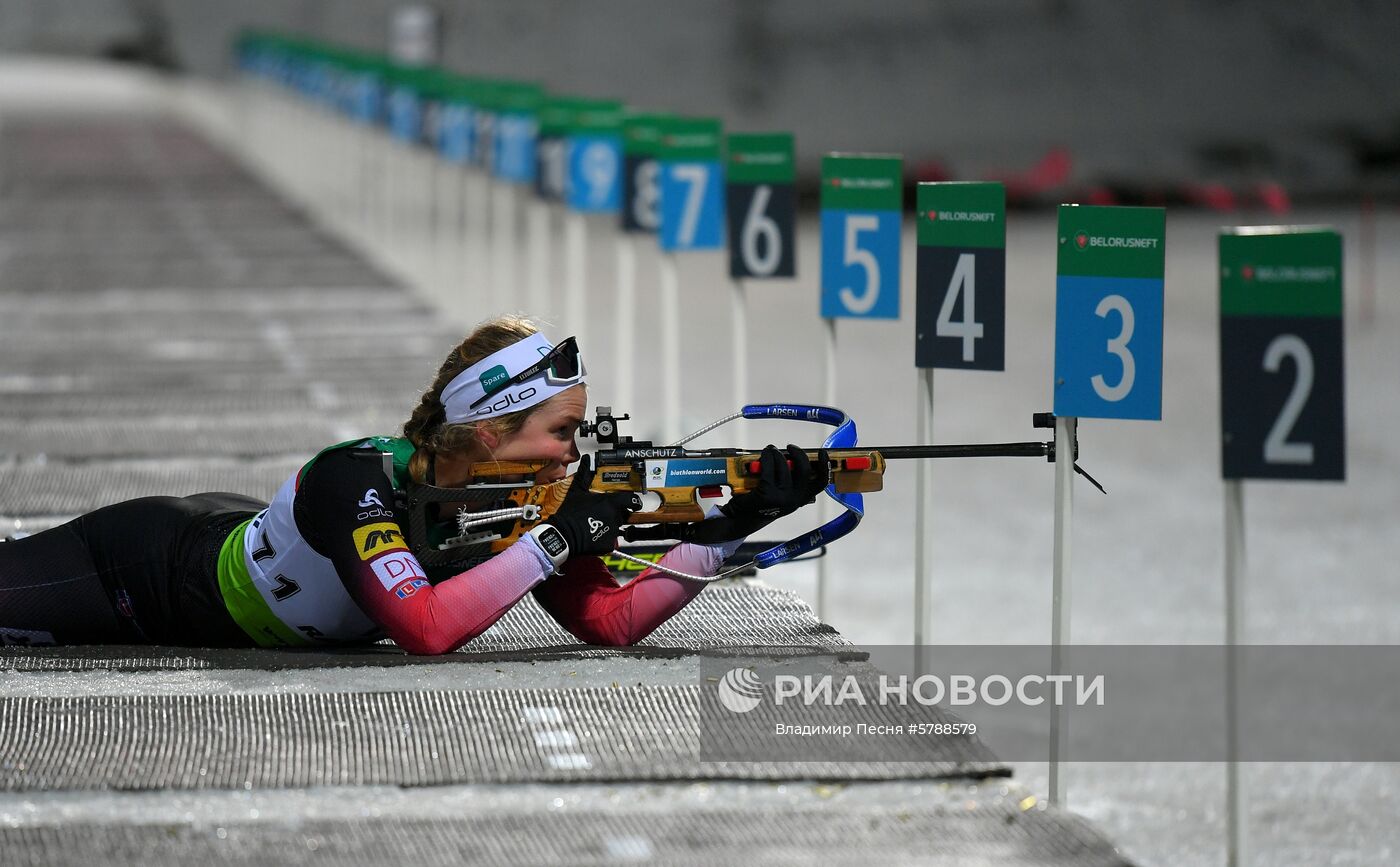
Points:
473	383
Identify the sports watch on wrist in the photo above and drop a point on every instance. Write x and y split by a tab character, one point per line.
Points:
551	541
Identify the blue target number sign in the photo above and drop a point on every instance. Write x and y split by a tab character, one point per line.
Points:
595	172
593	153
692	184
455	131
861	198
692	206
860	264
515	147
1108	312
405	114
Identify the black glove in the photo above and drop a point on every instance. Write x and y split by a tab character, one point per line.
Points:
590	522
782	489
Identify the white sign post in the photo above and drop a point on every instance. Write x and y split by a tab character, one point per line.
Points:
1108	364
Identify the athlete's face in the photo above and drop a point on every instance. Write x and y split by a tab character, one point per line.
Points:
548	435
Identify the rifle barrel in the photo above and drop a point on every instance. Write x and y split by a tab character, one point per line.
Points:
966	450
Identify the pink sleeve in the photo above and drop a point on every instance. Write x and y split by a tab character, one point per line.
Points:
590	604
431	619
387	581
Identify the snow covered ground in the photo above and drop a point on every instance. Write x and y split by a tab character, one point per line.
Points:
1148	558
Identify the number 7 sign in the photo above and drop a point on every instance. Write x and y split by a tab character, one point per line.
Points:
960	314
692	185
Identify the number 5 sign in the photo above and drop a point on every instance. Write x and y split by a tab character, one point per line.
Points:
861	200
1108	312
1281	377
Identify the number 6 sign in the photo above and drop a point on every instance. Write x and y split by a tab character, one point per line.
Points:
1108	312
861	200
761	204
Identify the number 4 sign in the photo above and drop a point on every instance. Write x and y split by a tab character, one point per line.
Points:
960	311
1281	377
1108	312
861	200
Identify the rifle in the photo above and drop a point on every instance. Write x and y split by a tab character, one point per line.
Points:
501	502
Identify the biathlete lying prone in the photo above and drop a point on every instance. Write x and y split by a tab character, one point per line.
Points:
328	561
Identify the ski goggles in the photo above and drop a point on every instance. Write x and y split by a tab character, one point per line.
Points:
488	389
561	366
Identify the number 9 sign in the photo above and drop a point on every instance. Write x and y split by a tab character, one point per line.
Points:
1108	312
595	158
861	200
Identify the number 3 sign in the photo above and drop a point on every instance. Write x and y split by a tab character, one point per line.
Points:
1108	312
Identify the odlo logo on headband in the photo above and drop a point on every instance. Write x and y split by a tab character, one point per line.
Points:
507	401
493	377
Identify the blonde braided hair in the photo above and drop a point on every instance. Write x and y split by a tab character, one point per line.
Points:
427	428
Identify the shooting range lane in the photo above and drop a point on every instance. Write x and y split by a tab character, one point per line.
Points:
409	738
170	326
719	823
724	621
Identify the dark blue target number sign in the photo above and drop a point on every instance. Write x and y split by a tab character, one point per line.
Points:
1282	384
761	205
960	313
641	172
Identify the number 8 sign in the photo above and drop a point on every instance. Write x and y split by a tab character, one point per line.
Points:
1108	312
861	200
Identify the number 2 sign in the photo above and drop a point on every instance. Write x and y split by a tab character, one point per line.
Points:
1281	376
1108	312
861	200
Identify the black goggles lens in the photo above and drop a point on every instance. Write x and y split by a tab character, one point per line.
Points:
564	359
